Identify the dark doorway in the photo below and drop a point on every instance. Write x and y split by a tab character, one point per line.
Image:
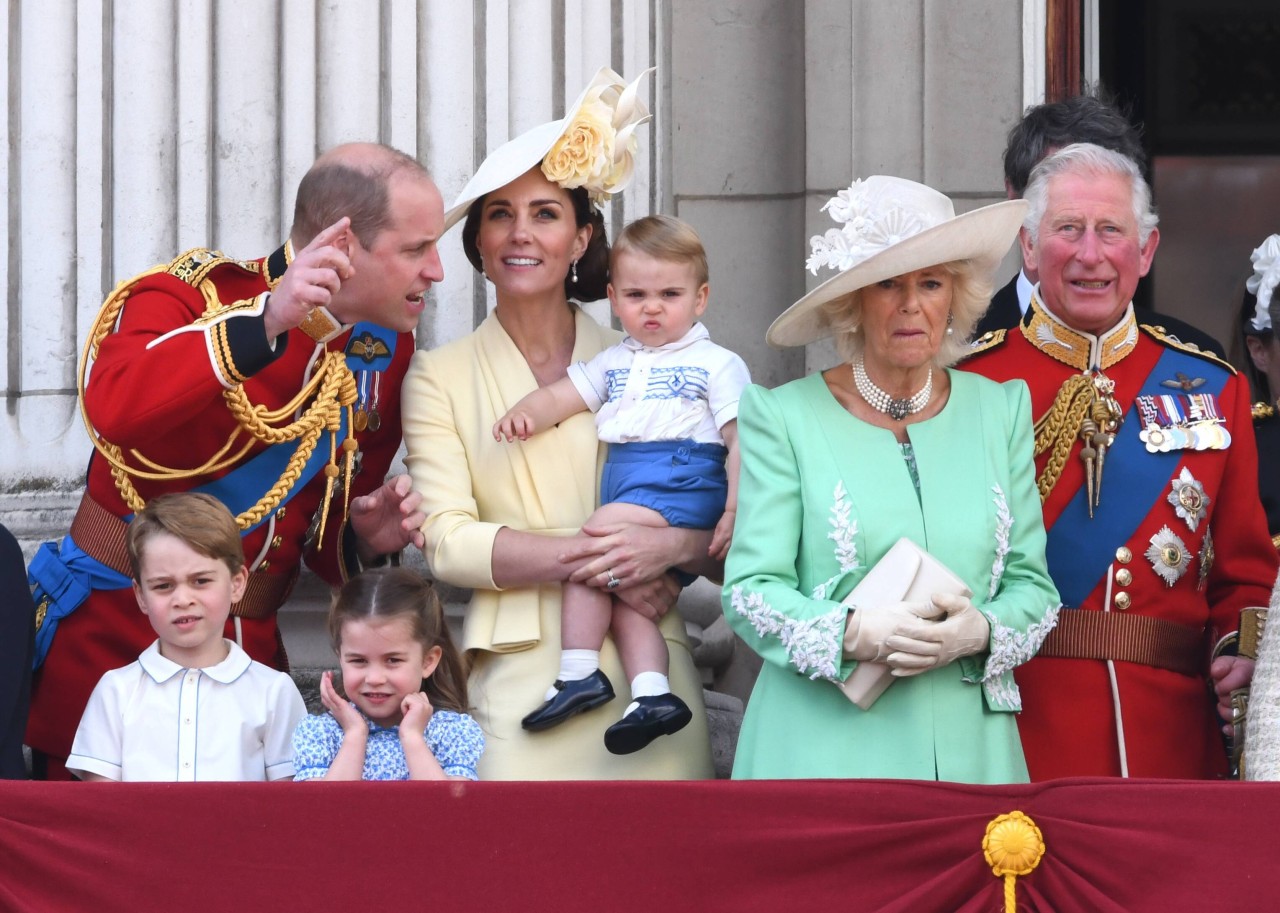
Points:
1203	79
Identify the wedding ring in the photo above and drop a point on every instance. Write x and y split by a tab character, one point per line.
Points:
614	582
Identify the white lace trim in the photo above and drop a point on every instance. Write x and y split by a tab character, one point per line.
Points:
813	645
1011	648
844	531
1004	523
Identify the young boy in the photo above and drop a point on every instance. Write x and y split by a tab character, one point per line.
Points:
666	402
193	706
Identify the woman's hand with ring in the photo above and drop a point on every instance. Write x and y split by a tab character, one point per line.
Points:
612	582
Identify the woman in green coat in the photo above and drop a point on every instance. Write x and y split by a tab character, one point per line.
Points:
890	444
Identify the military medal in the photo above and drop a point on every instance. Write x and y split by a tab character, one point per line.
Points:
1190	421
375	420
360	420
1188	499
1168	555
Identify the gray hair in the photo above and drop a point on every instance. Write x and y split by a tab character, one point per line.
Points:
1086	158
970	295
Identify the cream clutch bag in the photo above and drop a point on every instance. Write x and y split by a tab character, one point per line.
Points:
906	573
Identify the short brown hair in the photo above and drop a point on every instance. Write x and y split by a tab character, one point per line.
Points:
663	238
199	520
337	186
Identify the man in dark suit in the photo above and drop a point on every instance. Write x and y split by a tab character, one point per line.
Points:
1043	130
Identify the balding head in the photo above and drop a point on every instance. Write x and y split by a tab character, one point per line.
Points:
350	180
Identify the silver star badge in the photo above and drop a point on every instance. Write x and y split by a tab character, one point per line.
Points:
1168	555
1188	499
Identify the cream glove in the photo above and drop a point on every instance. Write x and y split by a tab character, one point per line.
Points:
963	632
867	630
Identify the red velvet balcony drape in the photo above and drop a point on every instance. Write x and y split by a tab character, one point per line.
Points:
820	845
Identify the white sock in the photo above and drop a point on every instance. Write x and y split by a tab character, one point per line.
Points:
647	684
575	665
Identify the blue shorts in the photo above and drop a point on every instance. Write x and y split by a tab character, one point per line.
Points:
684	481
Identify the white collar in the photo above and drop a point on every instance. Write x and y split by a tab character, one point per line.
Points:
161	668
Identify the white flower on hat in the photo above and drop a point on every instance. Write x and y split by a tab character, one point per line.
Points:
869	226
597	149
1266	275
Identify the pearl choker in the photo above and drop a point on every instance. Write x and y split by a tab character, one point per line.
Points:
896	409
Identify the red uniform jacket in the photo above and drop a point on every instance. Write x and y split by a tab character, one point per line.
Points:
1073	719
156	387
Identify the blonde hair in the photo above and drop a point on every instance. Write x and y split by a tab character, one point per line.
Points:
663	238
387	593
200	521
970	296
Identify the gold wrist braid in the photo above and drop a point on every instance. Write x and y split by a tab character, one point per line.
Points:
331	389
1057	429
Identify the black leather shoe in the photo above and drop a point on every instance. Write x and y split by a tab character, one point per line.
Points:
659	714
572	698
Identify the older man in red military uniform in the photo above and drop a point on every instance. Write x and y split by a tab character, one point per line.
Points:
1147	468
272	384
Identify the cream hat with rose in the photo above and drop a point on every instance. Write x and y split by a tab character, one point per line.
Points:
592	146
891	226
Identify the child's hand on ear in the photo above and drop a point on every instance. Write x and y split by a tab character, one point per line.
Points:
417	712
347	716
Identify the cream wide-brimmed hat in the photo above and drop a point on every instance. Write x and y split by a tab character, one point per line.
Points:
592	146
892	226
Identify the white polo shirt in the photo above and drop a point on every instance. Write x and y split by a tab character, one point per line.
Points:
684	390
153	720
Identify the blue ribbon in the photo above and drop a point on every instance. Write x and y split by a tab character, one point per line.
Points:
1080	549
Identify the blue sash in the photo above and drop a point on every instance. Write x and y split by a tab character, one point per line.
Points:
64	575
1080	549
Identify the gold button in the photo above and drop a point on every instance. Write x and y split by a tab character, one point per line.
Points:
264	566
1124	576
1123	601
1123	555
275	543
280	513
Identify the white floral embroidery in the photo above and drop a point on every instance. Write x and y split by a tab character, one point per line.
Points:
1011	648
1004	522
844	531
813	645
872	218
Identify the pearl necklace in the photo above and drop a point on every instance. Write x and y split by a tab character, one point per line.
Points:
896	409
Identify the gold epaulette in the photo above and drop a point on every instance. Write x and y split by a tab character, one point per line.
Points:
194	266
1263	411
1162	336
987	340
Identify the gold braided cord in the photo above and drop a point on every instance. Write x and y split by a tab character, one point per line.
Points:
1056	430
332	388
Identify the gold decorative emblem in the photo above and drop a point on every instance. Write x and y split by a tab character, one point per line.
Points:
368	347
1123	555
1168	555
1188	499
1124	576
1206	558
1123	601
1012	846
42	610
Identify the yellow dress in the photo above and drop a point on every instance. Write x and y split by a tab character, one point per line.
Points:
472	486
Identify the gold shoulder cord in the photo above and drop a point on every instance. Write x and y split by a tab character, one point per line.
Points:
1056	430
331	389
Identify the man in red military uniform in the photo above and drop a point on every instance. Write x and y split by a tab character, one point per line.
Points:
1148	473
272	384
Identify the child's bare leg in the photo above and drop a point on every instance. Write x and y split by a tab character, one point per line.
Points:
639	641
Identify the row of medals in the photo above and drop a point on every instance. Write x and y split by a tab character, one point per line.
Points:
366	417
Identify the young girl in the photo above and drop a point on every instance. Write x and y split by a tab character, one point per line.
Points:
666	402
406	685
